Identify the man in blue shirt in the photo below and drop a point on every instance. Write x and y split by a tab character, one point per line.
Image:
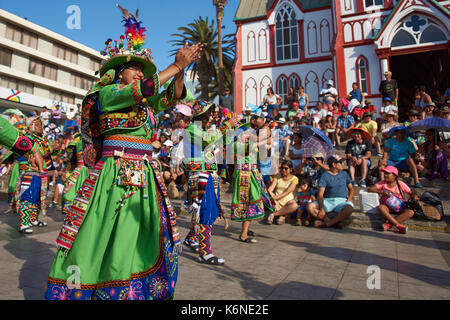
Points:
344	123
356	94
335	195
284	133
397	153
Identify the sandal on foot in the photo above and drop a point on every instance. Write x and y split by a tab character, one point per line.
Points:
251	233
248	240
26	230
194	247
39	223
212	260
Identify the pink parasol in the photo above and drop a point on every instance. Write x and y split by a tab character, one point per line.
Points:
184	109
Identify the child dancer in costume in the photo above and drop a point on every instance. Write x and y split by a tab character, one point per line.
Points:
250	195
120	231
204	183
31	190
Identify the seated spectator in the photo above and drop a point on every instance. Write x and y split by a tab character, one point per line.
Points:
397	153
283	193
329	127
295	151
428	111
344	123
369	107
295	112
371	127
284	135
334	195
314	168
305	195
329	95
388	187
422	98
356	94
336	111
276	115
435	153
386	126
358	157
387	107
272	100
319	114
166	123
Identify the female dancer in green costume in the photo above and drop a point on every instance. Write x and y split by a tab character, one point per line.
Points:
250	196
119	239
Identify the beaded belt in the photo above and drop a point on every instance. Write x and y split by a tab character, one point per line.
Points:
130	147
245	166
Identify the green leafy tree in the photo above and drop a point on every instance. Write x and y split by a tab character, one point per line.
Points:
205	32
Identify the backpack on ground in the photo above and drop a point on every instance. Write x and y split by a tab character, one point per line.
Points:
429	207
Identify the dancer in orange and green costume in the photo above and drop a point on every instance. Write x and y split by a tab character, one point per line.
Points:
200	163
250	196
120	231
31	188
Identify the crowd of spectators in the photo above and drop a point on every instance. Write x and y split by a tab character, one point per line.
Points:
317	190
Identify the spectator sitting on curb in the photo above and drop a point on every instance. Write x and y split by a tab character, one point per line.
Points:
305	195
397	153
314	168
334	195
388	187
283	193
358	156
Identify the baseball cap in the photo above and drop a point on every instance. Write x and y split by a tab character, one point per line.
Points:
318	155
330	82
281	120
344	109
164	152
387	99
168	143
391	169
261	114
167	115
334	159
295	104
367	114
445	109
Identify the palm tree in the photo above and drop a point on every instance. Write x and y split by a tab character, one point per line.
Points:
201	30
220	4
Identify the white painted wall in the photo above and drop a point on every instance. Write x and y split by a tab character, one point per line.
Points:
310	48
257	55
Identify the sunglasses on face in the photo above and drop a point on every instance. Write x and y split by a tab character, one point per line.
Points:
285	168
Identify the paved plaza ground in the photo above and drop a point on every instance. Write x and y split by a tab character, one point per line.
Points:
288	262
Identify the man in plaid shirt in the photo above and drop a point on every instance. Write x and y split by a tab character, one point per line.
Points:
344	123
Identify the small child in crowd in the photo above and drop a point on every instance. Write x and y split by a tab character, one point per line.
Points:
305	195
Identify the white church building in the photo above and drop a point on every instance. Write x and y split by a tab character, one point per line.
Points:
292	43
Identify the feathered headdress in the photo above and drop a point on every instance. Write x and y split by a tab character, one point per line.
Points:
129	47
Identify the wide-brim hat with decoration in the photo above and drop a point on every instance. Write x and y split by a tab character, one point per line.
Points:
129	48
199	107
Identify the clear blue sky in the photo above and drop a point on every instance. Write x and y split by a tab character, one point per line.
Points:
101	19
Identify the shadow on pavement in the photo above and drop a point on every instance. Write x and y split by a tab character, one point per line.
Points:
37	257
423	273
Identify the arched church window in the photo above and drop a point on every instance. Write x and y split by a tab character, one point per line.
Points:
286	34
282	88
432	34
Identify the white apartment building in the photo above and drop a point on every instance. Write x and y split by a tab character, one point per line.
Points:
39	67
